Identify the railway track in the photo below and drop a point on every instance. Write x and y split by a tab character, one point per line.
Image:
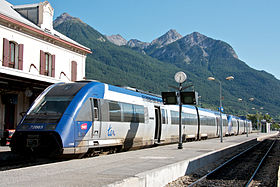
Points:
242	169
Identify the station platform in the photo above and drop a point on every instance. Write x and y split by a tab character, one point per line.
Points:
153	167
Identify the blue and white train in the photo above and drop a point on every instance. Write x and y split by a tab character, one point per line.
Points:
89	117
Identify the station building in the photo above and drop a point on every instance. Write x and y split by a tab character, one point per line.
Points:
32	56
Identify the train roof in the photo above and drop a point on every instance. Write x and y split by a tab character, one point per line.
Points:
136	93
208	110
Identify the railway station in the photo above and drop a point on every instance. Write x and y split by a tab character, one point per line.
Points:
155	166
49	108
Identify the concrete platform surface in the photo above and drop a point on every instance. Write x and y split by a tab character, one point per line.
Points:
146	167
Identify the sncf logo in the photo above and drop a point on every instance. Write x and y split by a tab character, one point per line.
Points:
84	126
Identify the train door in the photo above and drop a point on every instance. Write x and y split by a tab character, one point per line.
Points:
218	126
87	125
83	124
157	124
238	124
96	125
198	124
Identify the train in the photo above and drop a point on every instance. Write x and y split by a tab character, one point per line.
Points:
88	117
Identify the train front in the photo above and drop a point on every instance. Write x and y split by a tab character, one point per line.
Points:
41	129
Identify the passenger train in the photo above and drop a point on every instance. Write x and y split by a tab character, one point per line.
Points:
90	116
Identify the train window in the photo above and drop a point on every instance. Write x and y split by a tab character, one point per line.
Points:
163	116
114	111
85	113
146	114
70	89
207	120
139	113
184	119
166	117
96	111
96	116
174	117
127	111
188	119
51	105
104	110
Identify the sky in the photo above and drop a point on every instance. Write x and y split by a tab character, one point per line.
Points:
251	27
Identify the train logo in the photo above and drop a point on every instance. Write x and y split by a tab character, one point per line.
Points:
84	126
110	131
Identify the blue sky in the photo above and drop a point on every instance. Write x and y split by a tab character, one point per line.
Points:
251	27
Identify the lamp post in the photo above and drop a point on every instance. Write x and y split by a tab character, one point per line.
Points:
199	101
180	77
260	125
221	107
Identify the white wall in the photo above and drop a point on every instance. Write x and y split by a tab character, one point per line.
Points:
31	54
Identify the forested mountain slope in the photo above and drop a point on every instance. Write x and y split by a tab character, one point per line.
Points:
153	66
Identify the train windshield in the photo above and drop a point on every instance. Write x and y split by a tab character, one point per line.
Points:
51	107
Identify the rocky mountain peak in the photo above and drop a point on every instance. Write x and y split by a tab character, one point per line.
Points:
117	39
63	18
195	38
169	37
204	42
137	43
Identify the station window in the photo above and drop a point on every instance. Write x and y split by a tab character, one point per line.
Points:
12	54
47	64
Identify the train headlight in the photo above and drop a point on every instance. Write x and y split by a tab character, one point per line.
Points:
24	127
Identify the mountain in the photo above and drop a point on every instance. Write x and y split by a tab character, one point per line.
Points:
63	18
169	37
117	40
194	47
117	65
134	43
201	57
152	66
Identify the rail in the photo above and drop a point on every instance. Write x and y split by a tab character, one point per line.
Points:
233	158
264	157
223	164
